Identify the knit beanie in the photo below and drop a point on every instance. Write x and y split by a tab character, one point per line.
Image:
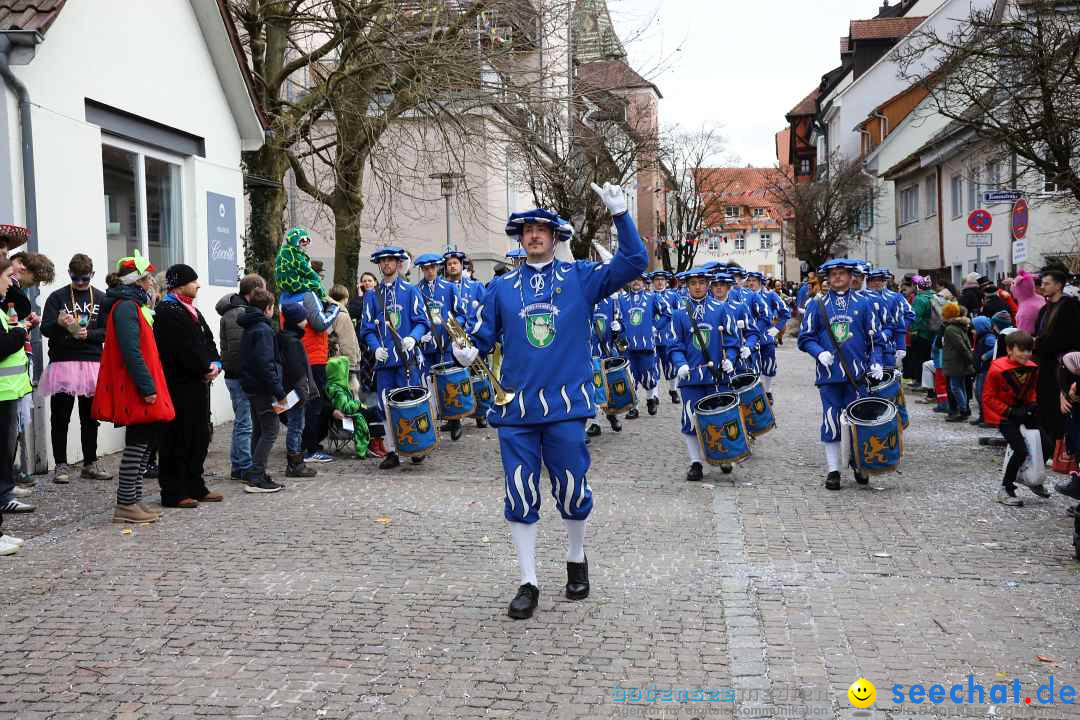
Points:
950	311
179	275
1001	320
293	313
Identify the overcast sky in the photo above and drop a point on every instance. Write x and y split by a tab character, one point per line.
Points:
739	64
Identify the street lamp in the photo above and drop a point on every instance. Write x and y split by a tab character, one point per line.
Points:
446	189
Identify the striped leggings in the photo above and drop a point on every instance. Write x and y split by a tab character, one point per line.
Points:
133	463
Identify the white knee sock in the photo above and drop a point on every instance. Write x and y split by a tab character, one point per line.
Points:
832	456
766	382
655	392
575	540
693	448
525	541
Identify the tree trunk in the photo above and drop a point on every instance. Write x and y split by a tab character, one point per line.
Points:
266	219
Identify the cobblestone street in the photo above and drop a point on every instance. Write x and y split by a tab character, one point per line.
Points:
365	593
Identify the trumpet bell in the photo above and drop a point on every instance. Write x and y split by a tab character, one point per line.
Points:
504	398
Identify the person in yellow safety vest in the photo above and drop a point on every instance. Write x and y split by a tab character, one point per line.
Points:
14	384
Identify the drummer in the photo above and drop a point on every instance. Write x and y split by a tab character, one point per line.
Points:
604	330
396	364
696	380
897	315
541	314
723	287
771	312
438	297
839	331
643	313
661	280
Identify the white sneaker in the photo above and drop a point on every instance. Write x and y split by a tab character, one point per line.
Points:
12	539
22	491
7	547
1005	498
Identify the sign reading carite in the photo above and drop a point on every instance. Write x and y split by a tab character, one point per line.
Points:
221	239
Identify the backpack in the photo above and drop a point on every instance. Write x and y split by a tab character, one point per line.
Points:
936	304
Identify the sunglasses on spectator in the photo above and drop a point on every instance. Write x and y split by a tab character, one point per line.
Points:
79	279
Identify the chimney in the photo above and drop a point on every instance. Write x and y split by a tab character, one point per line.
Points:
884	6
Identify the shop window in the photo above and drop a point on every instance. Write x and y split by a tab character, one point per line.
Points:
163	212
766	241
121	202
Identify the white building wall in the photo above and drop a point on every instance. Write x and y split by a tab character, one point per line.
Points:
148	59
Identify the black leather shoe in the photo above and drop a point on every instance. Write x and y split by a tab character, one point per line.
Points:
389	462
481	422
674	397
615	424
862	479
416	460
633	414
726	469
455	430
694	474
652	404
769	395
523	604
1071	487
593	430
577	580
832	482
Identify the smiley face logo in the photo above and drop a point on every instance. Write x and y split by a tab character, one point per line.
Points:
862	693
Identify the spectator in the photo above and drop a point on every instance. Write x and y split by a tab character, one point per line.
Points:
12	387
356	304
1009	397
1028	302
316	341
1058	333
131	390
230	308
921	334
191	361
262	379
971	294
985	342
957	361
298	377
1069	382
993	301
343	328
70	322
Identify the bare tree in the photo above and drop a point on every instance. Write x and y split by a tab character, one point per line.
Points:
826	211
1010	76
696	200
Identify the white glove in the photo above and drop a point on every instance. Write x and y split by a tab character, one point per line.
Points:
616	326
900	355
408	343
744	352
465	356
427	339
382	355
825	358
740	324
612	196
727	367
683	372
773	332
876	371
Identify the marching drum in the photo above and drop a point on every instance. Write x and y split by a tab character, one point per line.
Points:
484	394
721	430
872	435
599	389
754	402
619	386
454	388
891	388
411	421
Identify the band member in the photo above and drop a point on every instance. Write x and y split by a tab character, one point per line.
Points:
541	314
643	312
468	293
660	286
438	297
723	288
394	303
839	331
604	331
896	313
768	313
702	319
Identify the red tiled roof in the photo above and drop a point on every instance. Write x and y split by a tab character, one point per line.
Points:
808	105
845	45
612	75
35	15
883	28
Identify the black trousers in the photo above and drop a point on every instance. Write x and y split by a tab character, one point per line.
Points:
918	353
60	407
1010	430
183	444
8	410
316	413
264	432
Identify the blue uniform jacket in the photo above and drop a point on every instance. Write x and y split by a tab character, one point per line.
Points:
542	319
438	298
404	308
854	324
602	317
748	333
719	332
643	314
468	297
665	332
780	311
760	315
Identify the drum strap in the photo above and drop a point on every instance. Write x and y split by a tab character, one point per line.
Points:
394	336
705	349
836	346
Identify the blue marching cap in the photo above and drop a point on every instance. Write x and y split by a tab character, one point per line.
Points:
516	222
696	272
756	274
564	230
736	271
388	252
723	277
515	253
878	274
664	274
459	254
842	263
428	259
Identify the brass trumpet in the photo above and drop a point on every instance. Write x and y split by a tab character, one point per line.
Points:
459	336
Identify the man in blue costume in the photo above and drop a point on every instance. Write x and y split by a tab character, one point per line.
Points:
438	297
723	289
396	303
643	312
661	280
839	321
541	312
772	314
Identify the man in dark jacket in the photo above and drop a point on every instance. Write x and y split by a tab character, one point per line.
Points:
262	379
230	308
190	360
1057	332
